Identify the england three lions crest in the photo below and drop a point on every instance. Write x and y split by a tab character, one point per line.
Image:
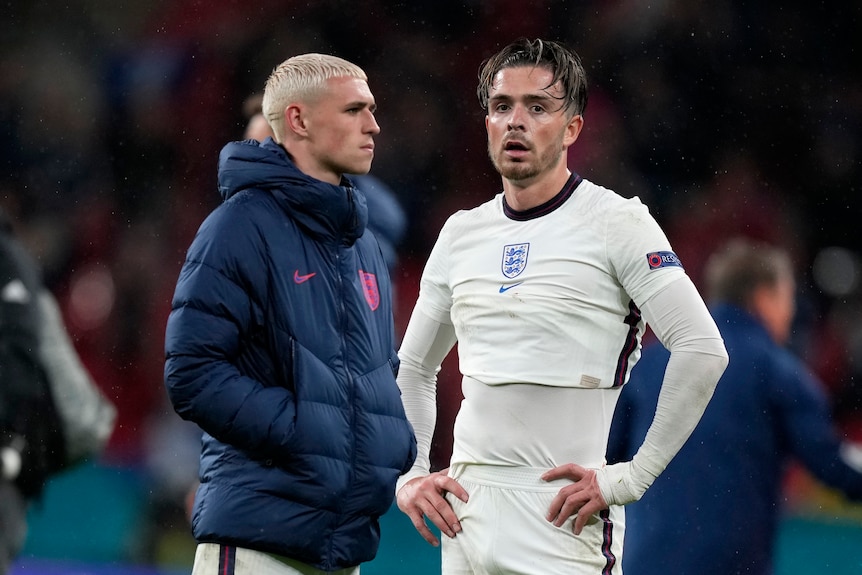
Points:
514	259
369	288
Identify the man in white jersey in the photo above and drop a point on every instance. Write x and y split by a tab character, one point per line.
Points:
546	289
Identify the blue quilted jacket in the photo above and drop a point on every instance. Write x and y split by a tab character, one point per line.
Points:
280	346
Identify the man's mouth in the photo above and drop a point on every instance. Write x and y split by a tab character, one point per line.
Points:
515	145
515	150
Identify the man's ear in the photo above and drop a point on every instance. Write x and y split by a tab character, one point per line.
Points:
294	119
573	130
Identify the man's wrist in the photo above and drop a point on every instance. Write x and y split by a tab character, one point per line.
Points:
410	475
621	484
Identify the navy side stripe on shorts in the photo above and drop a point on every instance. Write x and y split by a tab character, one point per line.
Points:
226	560
607	540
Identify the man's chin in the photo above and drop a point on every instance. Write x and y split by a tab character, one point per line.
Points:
358	170
512	170
516	172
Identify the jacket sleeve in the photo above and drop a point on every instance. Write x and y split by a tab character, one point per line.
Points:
216	315
806	424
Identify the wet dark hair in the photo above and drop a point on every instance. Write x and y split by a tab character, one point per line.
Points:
564	63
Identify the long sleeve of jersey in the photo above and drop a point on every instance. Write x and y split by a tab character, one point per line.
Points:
681	321
426	344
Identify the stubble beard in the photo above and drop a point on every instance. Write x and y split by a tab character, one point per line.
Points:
524	170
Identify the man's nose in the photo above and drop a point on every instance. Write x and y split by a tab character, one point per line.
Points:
516	119
373	126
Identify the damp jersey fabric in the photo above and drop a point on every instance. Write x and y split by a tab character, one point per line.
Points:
557	288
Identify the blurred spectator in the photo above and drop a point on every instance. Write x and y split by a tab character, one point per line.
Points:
716	507
51	415
28	432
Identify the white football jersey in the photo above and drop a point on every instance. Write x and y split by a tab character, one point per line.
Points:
544	307
549	296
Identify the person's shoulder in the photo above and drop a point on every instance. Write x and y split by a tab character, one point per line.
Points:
751	346
600	197
246	207
790	365
743	331
786	375
592	198
235	224
603	206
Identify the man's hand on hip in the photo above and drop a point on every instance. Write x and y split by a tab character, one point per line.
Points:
425	497
582	498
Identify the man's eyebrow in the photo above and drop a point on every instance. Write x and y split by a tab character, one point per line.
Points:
361	104
543	96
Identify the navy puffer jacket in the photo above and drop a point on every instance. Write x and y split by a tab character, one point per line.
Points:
280	346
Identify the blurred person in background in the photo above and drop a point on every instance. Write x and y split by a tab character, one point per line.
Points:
52	415
542	287
716	508
29	429
280	342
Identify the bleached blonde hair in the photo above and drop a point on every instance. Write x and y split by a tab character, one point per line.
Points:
301	79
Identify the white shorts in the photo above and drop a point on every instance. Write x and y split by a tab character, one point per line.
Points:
504	530
215	559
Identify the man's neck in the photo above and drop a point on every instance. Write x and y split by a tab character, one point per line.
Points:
308	166
522	195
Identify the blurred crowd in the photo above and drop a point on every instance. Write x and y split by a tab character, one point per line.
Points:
725	117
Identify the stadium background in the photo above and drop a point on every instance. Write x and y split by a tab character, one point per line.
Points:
725	117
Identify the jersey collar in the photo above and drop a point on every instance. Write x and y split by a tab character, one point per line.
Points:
546	208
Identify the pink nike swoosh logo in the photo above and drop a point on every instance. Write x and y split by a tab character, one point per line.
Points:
302	279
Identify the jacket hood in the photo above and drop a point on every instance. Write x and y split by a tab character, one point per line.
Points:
322	209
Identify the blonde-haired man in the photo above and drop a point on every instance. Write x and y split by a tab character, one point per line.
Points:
280	342
304	78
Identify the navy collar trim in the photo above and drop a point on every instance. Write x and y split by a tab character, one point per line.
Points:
544	209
